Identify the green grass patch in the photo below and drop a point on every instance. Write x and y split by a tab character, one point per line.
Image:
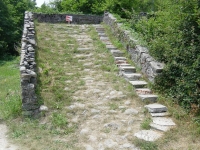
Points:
10	100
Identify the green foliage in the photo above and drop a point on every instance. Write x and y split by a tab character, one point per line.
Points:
59	120
11	23
172	35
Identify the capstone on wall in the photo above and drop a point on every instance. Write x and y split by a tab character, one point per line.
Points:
61	18
139	54
30	106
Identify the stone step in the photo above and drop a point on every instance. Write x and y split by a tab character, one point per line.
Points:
149	97
156	108
102	34
84	49
119	62
143	91
126	64
100	29
117	53
138	84
148	135
127	69
120	58
104	39
163	121
160	127
163	114
131	76
111	47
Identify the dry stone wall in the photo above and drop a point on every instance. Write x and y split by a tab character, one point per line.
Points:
30	104
77	19
139	54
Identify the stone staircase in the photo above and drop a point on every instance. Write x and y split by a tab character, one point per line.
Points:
159	115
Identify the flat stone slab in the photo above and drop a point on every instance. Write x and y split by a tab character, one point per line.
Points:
123	64
163	114
163	121
149	97
104	38
148	135
138	84
160	127
118	62
111	47
83	49
129	69
143	91
102	34
131	76
156	108
117	53
120	58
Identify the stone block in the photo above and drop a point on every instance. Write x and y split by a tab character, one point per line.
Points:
131	76
156	108
143	91
127	69
148	97
163	121
138	84
160	127
157	67
117	53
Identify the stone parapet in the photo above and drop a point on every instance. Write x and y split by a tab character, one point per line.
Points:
30	106
61	18
139	54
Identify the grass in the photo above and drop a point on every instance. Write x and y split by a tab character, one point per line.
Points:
144	145
10	100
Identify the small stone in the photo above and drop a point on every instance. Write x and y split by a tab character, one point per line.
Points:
127	103
131	111
113	126
66	89
84	131
148	135
95	111
88	147
43	108
110	143
92	138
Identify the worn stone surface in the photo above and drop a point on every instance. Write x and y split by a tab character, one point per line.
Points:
160	127
131	111
131	76
138	84
163	121
163	114
127	69
148	135
117	53
156	108
143	91
149	97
